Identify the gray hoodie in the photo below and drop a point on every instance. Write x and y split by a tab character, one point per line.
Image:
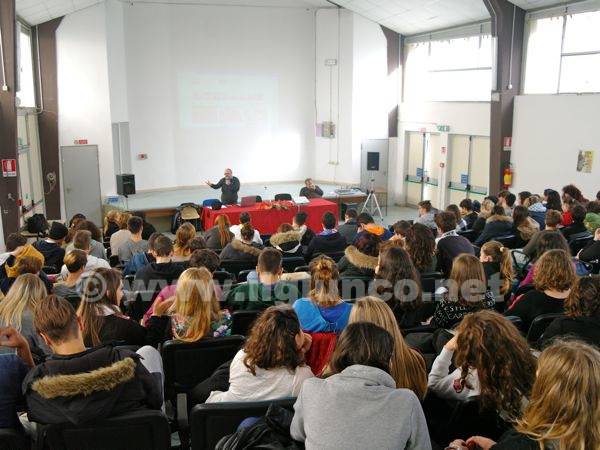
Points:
359	408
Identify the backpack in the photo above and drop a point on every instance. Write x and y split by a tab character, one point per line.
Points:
176	220
37	224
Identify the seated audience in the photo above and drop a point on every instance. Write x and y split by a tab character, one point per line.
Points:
497	225
269	290
51	247
120	237
96	247
420	245
563	411
72	285
467	213
102	320
548	240
323	311
360	260
16	310
567	206
573	192
75	220
328	240
401	230
553	220
271	365
242	249
553	279
467	292
366	224
592	217
553	201
78	385
484	214
82	241
524	227
507	200
397	282
498	267
219	235
536	209
141	259
449	244
493	364
22	258
523	196
359	386
582	310
299	224
183	237
311	190
461	224
426	214
407	366
15	361
135	244
163	271
193	313
349	228
236	229
287	240
578	226
147	228
493	199
591	252
111	225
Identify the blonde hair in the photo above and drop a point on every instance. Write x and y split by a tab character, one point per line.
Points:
500	255
554	270
25	293
467	273
564	406
407	365
222	222
111	216
185	233
324	277
122	219
486	208
196	302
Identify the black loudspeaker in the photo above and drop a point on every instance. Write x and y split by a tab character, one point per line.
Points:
126	184
373	161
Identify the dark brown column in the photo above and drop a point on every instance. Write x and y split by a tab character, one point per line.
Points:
393	60
508	24
9	187
45	36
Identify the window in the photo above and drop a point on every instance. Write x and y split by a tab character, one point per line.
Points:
563	53
26	92
452	69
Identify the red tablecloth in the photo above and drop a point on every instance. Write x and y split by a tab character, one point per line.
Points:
267	220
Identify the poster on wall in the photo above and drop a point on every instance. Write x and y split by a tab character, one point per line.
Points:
585	161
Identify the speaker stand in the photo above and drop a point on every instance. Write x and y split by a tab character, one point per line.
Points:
371	203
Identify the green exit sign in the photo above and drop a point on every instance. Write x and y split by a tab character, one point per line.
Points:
443	128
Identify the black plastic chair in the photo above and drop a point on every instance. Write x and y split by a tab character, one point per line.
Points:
258	199
520	263
301	269
222	276
516	321
138	303
74	300
507	241
234	266
351	288
430	281
210	422
242	276
290	264
242	321
50	270
138	430
336	256
11	439
539	325
579	241
279	197
471	235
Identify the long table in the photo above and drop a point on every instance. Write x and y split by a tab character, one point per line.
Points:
267	220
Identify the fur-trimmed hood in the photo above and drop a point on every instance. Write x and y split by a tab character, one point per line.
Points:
238	245
283	238
360	260
499	218
86	383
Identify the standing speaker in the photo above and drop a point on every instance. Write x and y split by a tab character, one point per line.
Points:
373	161
126	184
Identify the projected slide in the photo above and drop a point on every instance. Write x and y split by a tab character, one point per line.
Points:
226	101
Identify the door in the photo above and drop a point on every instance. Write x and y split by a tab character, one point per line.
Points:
374	163
480	167
431	168
81	181
469	159
415	143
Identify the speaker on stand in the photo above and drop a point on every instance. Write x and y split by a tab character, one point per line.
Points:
126	186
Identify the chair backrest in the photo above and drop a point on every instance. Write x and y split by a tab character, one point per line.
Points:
320	351
139	302
469	234
539	325
242	321
222	276
258	199
50	270
430	281
209	202
283	197
188	363
520	262
507	241
114	260
290	264
351	288
578	241
11	439
242	276
138	430
210	422
336	256
301	269
516	321
235	266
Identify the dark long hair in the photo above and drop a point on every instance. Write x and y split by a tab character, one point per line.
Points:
553	200
551	240
520	215
368	244
420	245
397	269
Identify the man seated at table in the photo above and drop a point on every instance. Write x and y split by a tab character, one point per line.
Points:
311	190
328	240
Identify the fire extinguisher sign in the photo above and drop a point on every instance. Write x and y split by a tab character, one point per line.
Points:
9	167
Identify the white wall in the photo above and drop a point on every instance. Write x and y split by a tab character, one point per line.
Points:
83	88
211	87
548	132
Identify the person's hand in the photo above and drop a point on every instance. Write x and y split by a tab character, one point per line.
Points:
306	343
208	183
451	344
9	337
161	308
597	234
481	441
457	444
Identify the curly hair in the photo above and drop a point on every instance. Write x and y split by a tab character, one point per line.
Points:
551	240
584	298
491	344
396	268
572	191
420	245
554	270
272	341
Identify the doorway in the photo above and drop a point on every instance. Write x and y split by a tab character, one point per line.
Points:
423	174
469	167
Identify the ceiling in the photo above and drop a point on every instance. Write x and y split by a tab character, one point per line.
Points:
404	16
